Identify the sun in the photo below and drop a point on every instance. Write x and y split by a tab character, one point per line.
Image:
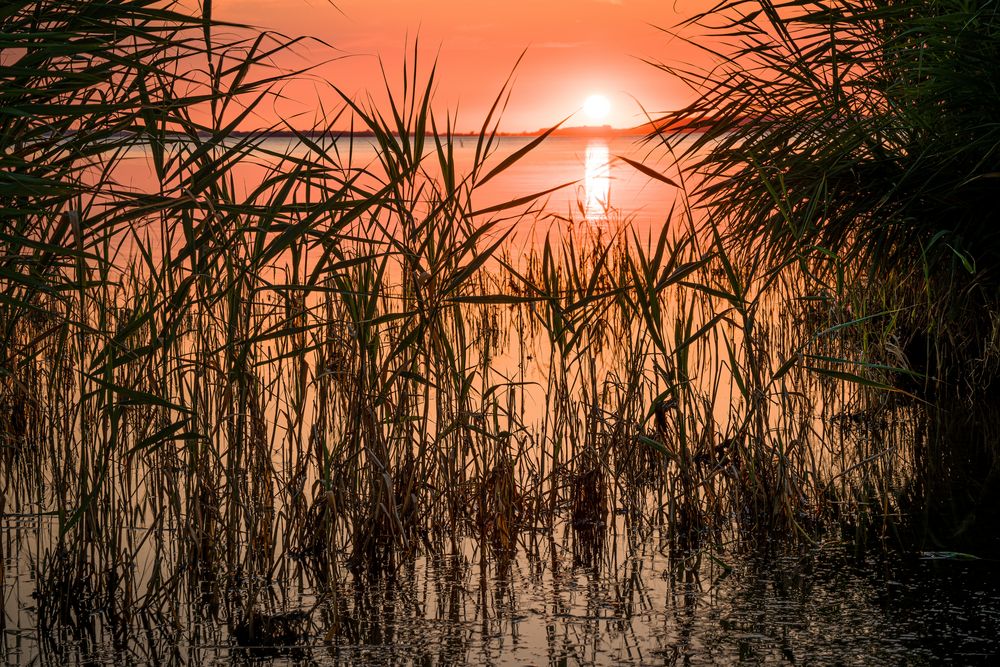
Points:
597	107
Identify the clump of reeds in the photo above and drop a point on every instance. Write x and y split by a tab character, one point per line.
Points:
347	365
852	145
864	129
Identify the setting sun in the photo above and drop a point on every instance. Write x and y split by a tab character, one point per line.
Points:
597	108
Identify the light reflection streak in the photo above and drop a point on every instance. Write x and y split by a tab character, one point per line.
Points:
596	183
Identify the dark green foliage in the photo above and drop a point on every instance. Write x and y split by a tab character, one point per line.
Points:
860	142
865	128
339	365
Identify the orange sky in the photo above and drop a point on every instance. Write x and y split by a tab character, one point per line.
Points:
575	48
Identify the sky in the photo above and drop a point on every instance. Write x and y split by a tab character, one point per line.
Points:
573	49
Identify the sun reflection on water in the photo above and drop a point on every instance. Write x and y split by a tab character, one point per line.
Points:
596	183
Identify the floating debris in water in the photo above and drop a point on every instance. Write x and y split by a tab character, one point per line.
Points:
946	555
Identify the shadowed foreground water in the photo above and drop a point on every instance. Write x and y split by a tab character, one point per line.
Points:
549	606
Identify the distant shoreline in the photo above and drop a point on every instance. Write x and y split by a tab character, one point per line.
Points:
585	131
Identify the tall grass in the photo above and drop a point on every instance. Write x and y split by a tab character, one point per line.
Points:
856	142
220	390
861	127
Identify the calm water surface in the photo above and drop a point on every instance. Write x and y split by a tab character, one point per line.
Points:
551	605
595	180
634	607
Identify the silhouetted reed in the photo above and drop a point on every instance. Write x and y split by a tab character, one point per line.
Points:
234	397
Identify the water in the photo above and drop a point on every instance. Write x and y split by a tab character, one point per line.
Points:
600	180
636	607
817	608
594	177
564	598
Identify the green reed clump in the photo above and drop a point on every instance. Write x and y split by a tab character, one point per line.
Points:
865	128
234	391
856	145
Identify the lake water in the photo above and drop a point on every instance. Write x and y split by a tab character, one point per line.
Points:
561	599
594	178
600	180
636	606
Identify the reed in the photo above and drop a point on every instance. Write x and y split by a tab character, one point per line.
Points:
218	393
854	144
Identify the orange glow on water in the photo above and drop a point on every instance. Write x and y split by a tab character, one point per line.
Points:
597	182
